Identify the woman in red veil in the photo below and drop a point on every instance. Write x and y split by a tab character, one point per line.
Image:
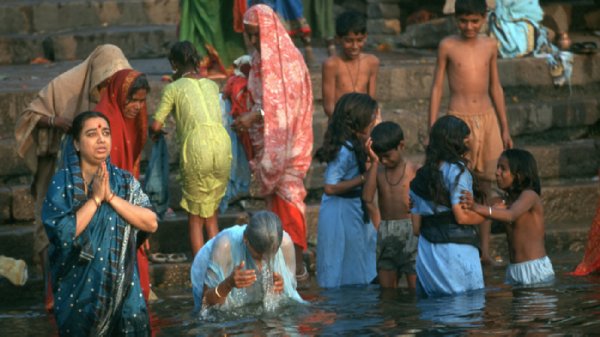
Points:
124	103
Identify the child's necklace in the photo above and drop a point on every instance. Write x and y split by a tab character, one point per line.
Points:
399	180
352	78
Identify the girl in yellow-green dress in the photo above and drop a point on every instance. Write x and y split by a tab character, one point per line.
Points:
205	155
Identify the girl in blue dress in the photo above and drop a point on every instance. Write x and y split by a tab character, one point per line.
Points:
346	237
447	254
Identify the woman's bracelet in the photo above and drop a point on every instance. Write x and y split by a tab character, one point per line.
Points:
110	198
217	291
97	202
489	211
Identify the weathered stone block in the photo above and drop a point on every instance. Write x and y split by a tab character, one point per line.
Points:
15	19
428	34
569	203
580	158
384	26
5	202
23	203
12	164
383	10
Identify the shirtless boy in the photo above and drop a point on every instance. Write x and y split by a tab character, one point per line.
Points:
353	71
389	175
475	94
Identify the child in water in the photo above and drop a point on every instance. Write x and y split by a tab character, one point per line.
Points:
517	176
347	239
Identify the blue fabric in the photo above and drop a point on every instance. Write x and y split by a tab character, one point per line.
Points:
156	183
94	276
239	177
287	9
448	268
516	24
538	271
346	253
449	174
220	255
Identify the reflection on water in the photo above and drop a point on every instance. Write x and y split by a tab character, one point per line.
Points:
570	306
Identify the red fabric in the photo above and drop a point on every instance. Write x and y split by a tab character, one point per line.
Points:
128	135
239	8
144	271
237	92
128	139
292	220
591	259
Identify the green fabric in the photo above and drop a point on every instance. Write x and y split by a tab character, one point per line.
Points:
319	14
211	22
205	146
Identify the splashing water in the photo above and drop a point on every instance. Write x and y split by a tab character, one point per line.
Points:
271	300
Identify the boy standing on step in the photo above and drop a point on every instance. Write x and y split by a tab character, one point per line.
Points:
475	94
389	175
353	70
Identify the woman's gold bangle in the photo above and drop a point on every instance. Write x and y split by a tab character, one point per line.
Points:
217	291
97	202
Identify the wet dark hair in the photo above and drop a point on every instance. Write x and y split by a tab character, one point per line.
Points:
79	121
140	82
468	7
523	168
350	22
447	144
386	136
264	232
353	112
185	54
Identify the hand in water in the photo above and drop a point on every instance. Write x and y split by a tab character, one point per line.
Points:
242	278
277	283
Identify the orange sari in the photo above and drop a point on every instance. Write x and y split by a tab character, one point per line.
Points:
128	139
591	259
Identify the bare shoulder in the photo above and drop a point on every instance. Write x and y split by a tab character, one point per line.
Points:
411	168
371	59
449	42
331	62
488	43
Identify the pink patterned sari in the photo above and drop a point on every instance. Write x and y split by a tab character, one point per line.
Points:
280	84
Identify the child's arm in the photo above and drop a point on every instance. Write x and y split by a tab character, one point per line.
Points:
437	88
370	186
497	95
344	185
328	86
416	223
524	203
374	70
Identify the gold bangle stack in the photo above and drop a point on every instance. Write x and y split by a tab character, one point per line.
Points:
97	202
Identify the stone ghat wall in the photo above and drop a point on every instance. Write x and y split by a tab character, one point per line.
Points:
557	125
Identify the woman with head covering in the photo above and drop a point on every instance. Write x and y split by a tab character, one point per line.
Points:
245	264
124	104
94	215
280	122
48	117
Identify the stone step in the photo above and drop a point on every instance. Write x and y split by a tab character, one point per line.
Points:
148	41
44	16
575	160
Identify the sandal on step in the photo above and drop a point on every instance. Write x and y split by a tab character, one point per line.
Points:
158	257
177	258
